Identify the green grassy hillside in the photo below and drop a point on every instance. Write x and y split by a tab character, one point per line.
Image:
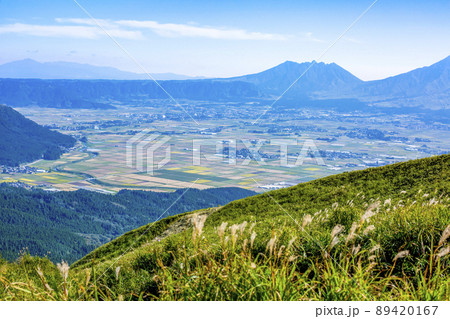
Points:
376	234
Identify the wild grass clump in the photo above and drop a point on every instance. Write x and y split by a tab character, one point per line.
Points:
245	261
403	255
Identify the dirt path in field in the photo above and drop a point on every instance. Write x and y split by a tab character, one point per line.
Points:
183	223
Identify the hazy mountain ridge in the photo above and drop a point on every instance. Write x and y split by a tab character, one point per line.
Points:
427	88
426	80
316	77
31	69
97	93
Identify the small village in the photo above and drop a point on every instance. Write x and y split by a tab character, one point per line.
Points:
20	170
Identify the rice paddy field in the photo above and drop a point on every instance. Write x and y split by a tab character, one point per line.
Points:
191	155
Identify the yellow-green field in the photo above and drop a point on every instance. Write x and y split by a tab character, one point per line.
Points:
101	163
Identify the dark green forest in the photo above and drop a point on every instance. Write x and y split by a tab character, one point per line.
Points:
68	225
22	140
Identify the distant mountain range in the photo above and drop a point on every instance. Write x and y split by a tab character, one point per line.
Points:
427	87
31	69
22	140
98	94
320	85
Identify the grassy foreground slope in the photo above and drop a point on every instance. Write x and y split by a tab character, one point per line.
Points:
376	234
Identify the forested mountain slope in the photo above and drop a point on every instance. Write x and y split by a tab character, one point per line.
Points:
68	225
22	140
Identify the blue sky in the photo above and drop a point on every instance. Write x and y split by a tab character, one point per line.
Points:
226	38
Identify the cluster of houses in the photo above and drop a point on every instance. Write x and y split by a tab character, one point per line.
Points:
21	170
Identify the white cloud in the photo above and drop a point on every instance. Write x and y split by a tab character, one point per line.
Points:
310	37
132	29
71	31
189	30
87	21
